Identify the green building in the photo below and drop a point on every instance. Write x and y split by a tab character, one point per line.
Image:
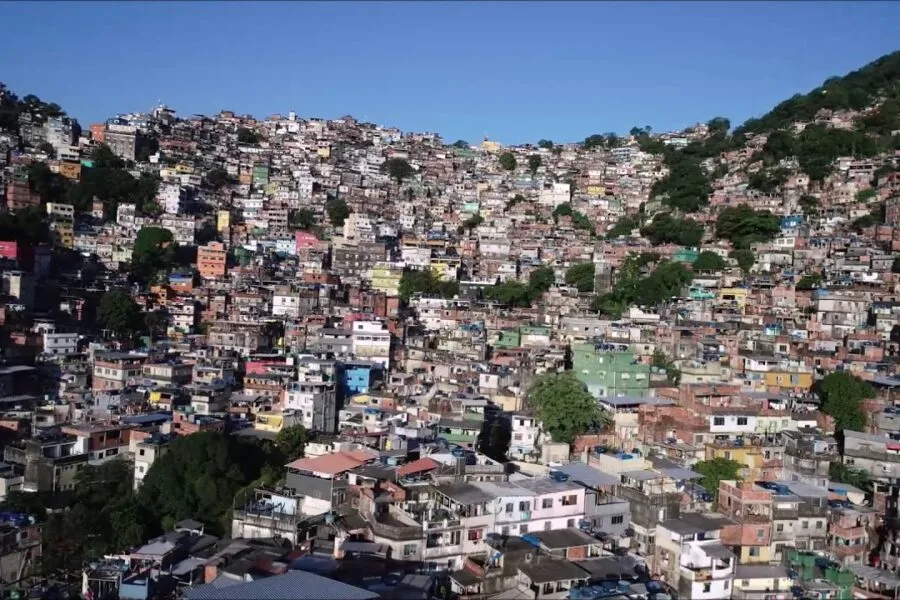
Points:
463	431
610	369
260	174
686	255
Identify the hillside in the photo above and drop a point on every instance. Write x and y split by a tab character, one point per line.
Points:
857	115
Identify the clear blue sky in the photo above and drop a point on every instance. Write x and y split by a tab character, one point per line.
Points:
516	71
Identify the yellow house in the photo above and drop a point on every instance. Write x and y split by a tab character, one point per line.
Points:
489	146
324	151
63	233
183	169
445	268
755	555
596	190
386	278
223	221
788	380
748	455
273	422
738	295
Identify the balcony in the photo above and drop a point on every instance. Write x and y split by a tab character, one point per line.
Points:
785	514
436	552
442	524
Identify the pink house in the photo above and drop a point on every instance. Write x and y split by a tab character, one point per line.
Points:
305	240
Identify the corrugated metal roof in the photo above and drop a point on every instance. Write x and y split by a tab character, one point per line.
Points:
295	585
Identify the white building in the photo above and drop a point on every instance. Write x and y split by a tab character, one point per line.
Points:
172	198
555	194
372	341
60	343
692	558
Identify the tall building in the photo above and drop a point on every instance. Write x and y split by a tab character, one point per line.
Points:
211	260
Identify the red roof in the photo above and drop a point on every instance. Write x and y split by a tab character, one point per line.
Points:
331	464
417	466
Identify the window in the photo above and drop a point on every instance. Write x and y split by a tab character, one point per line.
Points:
570	523
760	534
141	452
818	524
804	524
779	528
505	530
707	587
547	525
617	520
742	420
409	549
754	550
509	507
726	584
524	506
547	503
718	420
523	529
569	500
475	534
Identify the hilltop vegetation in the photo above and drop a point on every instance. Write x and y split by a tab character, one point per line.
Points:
872	93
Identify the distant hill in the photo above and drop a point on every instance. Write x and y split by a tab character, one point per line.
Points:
878	81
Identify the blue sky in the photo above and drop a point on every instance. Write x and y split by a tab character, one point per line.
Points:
516	71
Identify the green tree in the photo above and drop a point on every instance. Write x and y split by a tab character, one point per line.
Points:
119	313
666	229
564	406
461	144
103	157
511	293
217	177
715	471
809	282
808	204
709	261
397	169
153	253
534	163
337	211
426	283
50	186
541	279
472	222
199	477
623	226
508	161
744	257
246	136
842	395
842	473
660	361
292	441
866	195
581	276
545	144
303	219
743	225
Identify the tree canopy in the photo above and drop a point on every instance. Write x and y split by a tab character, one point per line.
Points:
397	169
715	471
291	441
743	226
809	281
303	219
119	313
661	285
545	144
534	163
709	261
581	276
564	406
246	136
666	229
744	257
842	396
199	477
427	283
541	279
508	161
511	293
337	211
623	226
217	177
664	363
153	253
